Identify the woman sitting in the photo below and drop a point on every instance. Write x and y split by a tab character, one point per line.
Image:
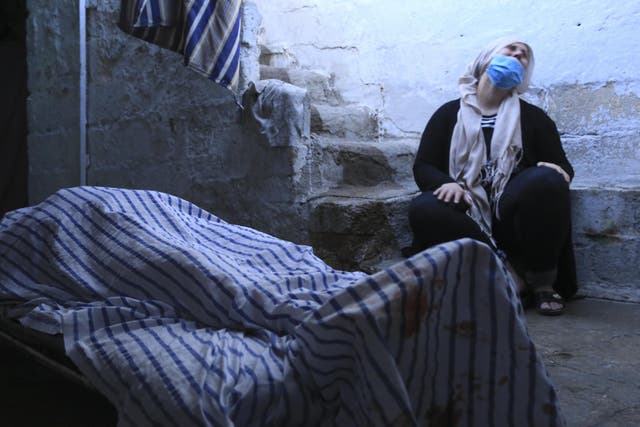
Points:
491	167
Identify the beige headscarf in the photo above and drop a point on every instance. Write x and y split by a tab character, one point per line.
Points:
468	151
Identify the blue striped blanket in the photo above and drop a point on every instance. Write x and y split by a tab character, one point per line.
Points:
180	318
205	32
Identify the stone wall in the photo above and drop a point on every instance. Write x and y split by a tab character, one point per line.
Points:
388	68
362	79
53	83
403	61
152	123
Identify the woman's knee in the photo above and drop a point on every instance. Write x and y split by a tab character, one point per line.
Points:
426	208
433	222
546	179
539	183
426	212
535	192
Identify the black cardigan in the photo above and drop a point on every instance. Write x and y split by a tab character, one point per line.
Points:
540	143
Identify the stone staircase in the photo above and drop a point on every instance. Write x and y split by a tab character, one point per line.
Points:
358	217
358	187
357	190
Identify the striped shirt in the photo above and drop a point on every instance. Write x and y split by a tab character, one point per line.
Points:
487	123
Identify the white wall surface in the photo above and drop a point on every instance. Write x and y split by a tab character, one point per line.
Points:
403	58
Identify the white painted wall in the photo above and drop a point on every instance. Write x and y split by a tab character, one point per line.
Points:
403	58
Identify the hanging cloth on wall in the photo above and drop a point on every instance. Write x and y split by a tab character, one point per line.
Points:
205	32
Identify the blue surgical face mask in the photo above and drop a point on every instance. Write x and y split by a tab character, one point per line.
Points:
505	72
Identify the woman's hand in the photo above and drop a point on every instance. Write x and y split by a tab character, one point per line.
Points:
556	168
452	192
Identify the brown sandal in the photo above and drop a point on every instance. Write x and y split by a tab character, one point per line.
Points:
549	297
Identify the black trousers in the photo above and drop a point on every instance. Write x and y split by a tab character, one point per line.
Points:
533	226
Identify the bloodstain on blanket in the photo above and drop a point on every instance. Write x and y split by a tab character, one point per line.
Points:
464	328
416	308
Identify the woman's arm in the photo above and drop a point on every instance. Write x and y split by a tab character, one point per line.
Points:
552	151
545	142
431	167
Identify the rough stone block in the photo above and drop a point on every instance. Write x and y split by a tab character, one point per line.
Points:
605	160
606	226
55	152
607	267
593	110
53	43
121	176
233	201
348	121
130	77
141	141
319	84
54	110
356	228
341	161
43	184
136	89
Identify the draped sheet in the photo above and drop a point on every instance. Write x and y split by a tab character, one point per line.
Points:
180	318
205	32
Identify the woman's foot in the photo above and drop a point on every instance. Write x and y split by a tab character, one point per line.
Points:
548	302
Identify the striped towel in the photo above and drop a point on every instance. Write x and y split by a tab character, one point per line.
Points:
205	32
152	13
180	318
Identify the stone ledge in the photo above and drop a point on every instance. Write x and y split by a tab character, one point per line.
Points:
362	228
346	121
356	228
341	162
606	231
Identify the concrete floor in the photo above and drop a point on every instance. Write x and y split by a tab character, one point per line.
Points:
593	356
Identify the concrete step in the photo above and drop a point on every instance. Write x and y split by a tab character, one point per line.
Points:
606	212
357	228
338	162
606	229
329	112
352	121
363	228
319	84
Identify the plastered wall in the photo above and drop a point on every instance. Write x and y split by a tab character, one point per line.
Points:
154	124
403	61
